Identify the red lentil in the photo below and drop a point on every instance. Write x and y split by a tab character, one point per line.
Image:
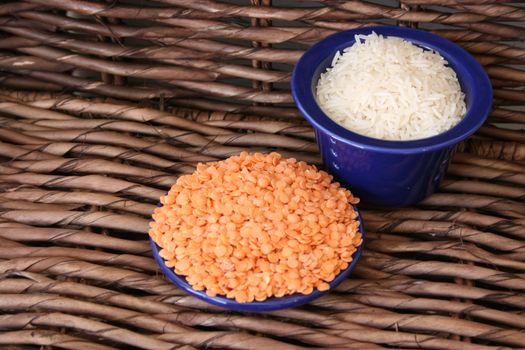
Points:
255	226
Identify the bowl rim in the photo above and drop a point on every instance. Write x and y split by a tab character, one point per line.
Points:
482	94
271	304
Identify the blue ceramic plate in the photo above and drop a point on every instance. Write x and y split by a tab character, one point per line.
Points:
257	306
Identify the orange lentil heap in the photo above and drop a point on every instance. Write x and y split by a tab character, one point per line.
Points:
255	226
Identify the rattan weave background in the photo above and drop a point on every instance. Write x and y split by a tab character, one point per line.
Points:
104	103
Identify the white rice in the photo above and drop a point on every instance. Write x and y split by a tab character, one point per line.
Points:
391	89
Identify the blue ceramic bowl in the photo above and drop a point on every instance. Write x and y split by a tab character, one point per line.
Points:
389	173
270	304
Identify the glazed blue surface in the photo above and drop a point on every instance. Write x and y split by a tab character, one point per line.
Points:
270	304
389	173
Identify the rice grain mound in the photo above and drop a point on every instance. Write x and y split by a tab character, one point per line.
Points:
391	89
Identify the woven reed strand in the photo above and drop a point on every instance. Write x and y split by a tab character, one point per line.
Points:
104	104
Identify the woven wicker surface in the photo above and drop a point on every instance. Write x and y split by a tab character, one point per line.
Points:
104	104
